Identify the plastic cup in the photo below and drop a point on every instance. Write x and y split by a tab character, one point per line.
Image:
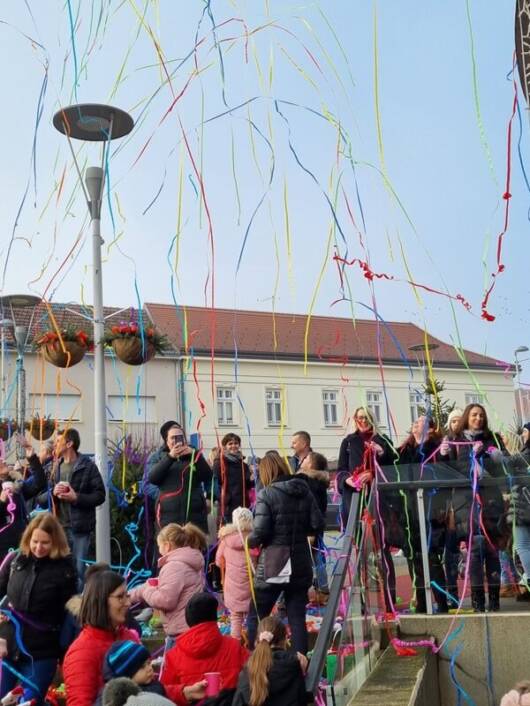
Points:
213	686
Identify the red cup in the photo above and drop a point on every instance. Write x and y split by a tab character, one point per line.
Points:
213	686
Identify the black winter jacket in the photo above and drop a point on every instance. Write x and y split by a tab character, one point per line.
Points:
351	457
286	514
412	452
173	478
37	590
235	482
318	483
25	490
286	682
88	484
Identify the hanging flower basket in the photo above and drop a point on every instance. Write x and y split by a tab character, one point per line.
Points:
130	347
41	428
7	428
75	343
131	351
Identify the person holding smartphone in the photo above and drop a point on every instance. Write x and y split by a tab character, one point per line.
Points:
183	477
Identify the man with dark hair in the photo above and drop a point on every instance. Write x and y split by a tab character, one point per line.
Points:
75	489
301	445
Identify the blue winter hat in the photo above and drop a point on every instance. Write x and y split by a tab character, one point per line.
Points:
124	658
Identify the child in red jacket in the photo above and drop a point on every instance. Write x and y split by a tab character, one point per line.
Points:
200	650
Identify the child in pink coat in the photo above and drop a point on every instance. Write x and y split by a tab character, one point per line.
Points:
232	559
181	575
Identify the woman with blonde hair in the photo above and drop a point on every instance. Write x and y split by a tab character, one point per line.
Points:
273	675
286	514
35	585
181	574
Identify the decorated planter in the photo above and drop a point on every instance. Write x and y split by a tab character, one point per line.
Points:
41	428
130	350
72	354
7	428
135	346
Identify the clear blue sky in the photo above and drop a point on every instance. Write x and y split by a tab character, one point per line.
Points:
446	166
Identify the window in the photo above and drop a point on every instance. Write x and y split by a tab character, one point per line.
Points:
474	398
225	405
416	403
373	405
273	397
65	408
132	409
329	400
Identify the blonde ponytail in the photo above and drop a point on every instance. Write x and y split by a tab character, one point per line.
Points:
187	535
271	633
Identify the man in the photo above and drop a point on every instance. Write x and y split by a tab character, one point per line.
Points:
75	489
301	445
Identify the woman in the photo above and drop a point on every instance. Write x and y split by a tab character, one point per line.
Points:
355	465
286	514
519	512
184	479
477	445
453	420
181	576
35	586
421	446
103	615
232	476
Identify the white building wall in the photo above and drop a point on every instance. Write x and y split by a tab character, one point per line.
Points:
304	405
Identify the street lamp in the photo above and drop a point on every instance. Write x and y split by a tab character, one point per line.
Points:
21	331
96	123
520	349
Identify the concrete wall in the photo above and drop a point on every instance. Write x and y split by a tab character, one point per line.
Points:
492	654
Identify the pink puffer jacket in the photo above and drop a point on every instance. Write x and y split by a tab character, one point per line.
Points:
231	557
181	574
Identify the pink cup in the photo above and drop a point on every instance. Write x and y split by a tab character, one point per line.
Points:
213	686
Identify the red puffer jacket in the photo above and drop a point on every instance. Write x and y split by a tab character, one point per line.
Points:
201	649
83	663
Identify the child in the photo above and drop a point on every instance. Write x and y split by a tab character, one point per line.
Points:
124	692
273	676
181	574
232	559
126	658
233	476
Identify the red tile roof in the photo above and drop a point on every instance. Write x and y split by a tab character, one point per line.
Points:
259	334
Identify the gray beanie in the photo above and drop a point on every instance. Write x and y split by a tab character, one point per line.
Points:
124	692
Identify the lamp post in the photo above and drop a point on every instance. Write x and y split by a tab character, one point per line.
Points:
96	123
21	332
520	349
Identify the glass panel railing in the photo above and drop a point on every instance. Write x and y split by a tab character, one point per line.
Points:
427	538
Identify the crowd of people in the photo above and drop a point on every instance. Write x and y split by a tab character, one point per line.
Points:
269	552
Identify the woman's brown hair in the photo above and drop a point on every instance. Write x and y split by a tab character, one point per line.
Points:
260	661
46	523
187	535
464	420
272	467
95	602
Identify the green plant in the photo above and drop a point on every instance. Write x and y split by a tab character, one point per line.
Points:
127	503
69	333
435	406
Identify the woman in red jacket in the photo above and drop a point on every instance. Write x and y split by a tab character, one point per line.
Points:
103	614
